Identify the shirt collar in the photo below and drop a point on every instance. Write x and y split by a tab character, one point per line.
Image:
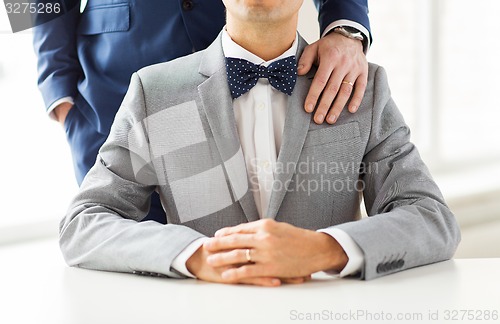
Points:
231	49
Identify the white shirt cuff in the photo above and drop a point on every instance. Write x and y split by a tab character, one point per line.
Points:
351	248
179	263
56	103
350	23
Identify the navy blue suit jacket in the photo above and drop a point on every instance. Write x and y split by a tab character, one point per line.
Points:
92	55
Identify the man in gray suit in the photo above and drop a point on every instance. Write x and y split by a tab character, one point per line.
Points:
254	191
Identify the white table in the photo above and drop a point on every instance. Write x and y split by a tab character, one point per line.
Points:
37	287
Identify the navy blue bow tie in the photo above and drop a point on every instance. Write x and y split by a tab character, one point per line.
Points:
243	75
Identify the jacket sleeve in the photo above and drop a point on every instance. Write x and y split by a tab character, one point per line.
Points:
54	43
409	223
102	228
334	10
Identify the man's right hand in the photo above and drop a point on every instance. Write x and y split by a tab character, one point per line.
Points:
198	266
61	111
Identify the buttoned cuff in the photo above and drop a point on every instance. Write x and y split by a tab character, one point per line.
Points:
350	23
56	103
351	248
179	263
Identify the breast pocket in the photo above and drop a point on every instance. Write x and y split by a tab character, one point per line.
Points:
333	152
332	134
105	19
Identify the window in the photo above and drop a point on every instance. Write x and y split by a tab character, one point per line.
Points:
443	68
37	175
441	58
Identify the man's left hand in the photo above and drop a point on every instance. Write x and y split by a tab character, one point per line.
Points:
342	69
276	249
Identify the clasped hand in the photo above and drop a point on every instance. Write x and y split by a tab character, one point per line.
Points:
280	253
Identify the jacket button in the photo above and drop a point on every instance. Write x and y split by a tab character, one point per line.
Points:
187	5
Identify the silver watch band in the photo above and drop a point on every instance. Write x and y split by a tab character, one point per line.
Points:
353	33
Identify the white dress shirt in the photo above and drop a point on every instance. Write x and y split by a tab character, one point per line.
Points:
260	119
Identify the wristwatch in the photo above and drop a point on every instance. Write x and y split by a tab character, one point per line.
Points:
353	33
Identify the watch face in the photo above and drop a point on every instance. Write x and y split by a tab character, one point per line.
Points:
351	30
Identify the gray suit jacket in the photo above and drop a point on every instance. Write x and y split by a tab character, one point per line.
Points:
175	133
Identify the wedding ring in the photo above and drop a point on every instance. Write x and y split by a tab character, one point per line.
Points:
349	83
249	258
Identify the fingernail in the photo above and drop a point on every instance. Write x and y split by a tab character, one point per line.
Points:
276	282
331	119
353	109
301	66
319	118
309	107
226	275
210	259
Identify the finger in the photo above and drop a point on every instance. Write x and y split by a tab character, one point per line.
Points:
297	280
230	242
233	257
246	271
330	92
345	91
248	228
318	84
359	92
241	228
261	281
307	59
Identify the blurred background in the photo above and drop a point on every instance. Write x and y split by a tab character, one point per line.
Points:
442	59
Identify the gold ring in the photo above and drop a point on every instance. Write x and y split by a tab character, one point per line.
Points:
349	83
249	258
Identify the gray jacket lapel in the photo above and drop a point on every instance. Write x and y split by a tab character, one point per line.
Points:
294	134
218	105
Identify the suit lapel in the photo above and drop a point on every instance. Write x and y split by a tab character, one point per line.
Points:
218	106
294	134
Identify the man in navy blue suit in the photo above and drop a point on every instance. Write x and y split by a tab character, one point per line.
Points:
85	60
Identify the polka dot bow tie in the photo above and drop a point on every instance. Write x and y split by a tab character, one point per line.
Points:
243	75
